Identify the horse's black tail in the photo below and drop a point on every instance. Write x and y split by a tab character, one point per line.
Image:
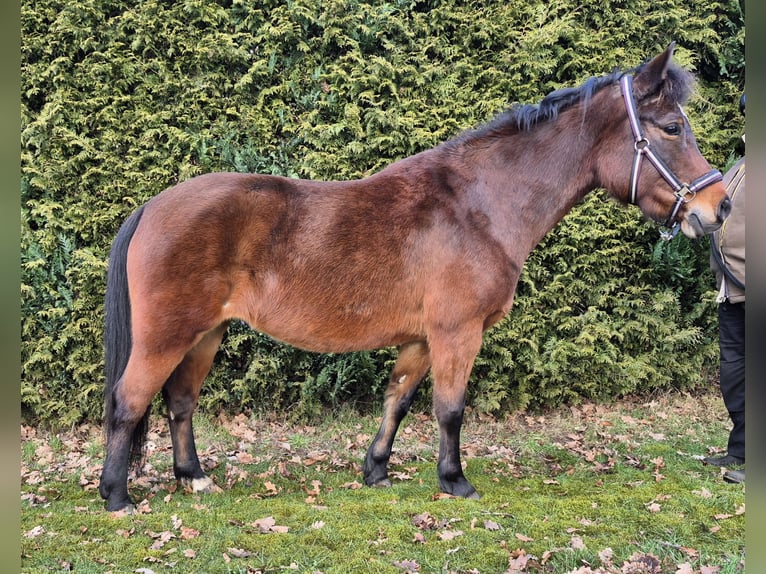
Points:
117	332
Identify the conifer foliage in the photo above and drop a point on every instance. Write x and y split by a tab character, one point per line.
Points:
121	99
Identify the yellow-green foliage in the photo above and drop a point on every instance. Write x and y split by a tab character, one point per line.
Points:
122	99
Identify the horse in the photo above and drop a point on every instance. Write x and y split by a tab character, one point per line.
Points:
424	255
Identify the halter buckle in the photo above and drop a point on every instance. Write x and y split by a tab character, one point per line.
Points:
641	144
684	193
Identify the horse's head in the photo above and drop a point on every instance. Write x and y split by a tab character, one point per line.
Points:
675	186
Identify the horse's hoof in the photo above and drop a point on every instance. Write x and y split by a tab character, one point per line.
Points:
460	488
385	483
204	485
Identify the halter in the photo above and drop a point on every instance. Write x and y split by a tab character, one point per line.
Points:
684	192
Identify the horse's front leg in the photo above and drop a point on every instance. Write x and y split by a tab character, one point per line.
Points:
411	366
452	354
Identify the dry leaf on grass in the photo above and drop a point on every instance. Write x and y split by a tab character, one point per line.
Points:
449	534
239	553
268	524
408	565
523	537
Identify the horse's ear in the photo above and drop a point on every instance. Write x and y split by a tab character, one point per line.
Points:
651	75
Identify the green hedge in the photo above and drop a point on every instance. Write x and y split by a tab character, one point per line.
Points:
121	99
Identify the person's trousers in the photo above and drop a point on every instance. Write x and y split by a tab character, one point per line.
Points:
731	343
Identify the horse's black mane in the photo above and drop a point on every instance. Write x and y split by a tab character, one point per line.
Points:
523	117
527	116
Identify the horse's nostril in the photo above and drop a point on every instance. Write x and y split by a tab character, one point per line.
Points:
724	208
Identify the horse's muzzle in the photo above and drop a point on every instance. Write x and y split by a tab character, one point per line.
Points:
695	224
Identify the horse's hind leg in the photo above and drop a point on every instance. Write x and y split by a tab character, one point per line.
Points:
142	379
411	366
113	484
181	394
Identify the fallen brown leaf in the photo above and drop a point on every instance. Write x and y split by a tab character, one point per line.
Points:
690	552
442	496
644	563
160	539
449	534
271	489
424	521
517	561
523	538
239	553
408	565
188	533
268	524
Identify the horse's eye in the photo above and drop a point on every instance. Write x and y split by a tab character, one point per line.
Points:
672	129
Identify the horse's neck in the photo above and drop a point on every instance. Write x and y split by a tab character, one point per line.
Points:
527	182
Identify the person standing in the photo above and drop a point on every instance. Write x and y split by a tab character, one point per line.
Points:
727	260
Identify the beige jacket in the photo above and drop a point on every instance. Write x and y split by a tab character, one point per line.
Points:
729	240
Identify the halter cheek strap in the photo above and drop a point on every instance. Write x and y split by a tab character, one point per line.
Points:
684	192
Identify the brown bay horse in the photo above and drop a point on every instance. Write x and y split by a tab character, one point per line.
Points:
424	255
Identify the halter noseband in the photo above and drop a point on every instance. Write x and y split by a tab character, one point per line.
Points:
684	192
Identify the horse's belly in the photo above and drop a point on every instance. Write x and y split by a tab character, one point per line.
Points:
334	331
322	321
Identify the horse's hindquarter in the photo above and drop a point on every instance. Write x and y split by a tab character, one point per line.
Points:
325	266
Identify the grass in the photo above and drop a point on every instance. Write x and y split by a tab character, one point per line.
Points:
615	488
